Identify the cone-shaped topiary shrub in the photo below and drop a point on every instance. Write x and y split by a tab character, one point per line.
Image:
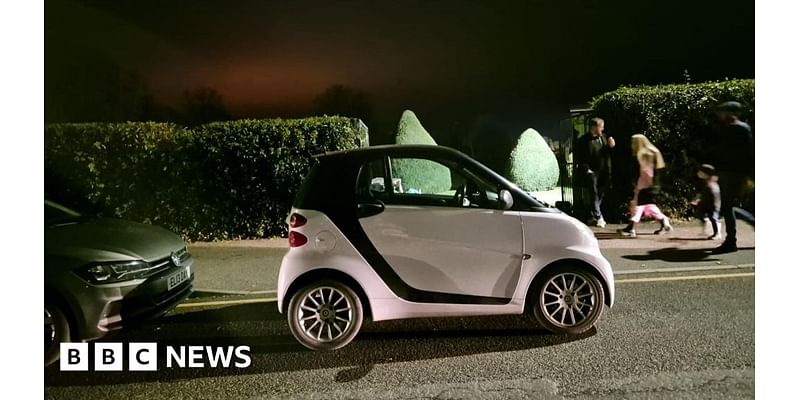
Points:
422	175
532	164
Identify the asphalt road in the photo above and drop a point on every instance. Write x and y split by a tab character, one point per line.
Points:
236	268
686	338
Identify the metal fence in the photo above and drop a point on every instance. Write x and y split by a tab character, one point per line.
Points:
571	199
565	180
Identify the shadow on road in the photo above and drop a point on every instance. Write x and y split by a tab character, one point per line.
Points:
273	349
694	239
617	235
674	254
610	236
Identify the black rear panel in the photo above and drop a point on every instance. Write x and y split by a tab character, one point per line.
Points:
307	184
330	188
329	185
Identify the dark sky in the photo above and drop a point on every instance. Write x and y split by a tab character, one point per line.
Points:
449	61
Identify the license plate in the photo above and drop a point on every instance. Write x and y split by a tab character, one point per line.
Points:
178	278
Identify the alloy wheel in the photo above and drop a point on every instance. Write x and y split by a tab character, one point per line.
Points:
325	314
568	299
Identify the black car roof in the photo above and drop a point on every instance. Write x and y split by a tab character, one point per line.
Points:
344	166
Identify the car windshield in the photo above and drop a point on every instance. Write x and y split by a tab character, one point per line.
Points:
56	213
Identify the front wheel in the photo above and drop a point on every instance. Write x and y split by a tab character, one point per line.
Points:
325	315
567	300
56	331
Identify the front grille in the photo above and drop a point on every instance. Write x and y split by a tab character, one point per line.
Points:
163	264
159	266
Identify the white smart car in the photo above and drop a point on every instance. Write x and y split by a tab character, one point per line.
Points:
391	232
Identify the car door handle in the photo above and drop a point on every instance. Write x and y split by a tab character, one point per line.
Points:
526	256
368	209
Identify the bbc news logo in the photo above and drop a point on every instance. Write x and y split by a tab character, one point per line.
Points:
144	357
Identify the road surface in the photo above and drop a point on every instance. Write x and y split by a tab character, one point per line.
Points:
684	335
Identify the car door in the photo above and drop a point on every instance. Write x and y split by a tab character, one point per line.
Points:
438	227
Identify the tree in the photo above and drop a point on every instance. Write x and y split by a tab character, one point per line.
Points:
88	87
532	164
426	176
343	101
203	105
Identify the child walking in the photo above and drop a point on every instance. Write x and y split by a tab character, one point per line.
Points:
643	203
707	202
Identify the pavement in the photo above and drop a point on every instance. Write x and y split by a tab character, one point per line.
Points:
251	266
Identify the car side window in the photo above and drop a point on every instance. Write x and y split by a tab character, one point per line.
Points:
480	192
425	182
372	181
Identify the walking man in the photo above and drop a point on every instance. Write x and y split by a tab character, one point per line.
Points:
593	161
733	154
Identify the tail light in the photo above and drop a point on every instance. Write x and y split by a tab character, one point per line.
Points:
297	239
296	220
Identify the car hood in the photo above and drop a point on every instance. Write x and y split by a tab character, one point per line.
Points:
561	230
105	239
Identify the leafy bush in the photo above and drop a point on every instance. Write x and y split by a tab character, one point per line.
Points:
112	169
676	118
248	172
426	176
223	180
532	164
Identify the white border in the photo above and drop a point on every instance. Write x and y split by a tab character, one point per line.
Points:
777	179
22	158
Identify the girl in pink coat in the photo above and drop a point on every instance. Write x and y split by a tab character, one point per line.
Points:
643	203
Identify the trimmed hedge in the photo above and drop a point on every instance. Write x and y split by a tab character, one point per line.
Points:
223	180
113	169
425	176
532	164
677	119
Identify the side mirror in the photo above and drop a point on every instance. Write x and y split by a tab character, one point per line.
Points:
505	200
564	206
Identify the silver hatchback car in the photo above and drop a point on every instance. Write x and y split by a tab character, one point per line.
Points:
105	274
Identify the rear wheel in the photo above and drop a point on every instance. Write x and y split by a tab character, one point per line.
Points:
56	331
325	315
567	300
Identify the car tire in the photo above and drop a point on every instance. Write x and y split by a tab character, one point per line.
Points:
325	315
57	330
567	300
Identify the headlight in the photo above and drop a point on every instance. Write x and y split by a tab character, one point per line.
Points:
115	272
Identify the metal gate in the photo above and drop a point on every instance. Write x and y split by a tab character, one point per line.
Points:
571	199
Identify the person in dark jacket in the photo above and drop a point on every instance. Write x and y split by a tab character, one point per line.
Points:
733	155
593	162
